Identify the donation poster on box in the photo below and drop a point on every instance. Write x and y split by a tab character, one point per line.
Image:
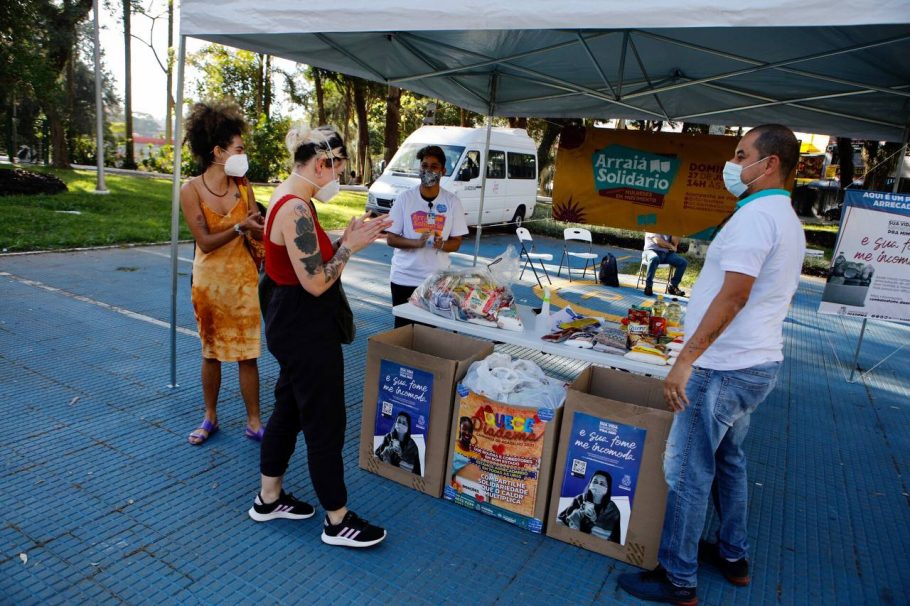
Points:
601	474
403	416
496	466
869	275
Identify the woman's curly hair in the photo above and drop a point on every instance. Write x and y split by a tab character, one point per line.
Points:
212	123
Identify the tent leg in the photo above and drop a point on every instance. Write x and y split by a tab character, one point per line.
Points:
859	344
175	203
484	160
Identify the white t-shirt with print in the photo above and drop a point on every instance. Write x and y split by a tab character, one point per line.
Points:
411	217
763	239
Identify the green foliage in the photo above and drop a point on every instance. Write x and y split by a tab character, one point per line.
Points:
138	210
266	150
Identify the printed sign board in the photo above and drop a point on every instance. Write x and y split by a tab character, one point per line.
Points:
869	275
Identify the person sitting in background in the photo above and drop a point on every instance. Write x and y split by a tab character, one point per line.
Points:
661	249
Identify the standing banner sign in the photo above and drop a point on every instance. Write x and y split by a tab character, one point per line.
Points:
869	276
657	182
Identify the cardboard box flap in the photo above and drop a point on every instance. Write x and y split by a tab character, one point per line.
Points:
623	387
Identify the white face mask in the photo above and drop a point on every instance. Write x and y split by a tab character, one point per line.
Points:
327	191
236	165
598	491
733	177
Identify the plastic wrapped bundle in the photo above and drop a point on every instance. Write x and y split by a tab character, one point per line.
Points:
468	295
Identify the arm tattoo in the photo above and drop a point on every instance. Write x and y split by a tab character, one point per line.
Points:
306	239
336	264
312	263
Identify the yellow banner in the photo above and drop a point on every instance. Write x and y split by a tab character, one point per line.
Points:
657	182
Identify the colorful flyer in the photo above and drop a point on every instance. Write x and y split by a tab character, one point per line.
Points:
403	416
601	473
496	464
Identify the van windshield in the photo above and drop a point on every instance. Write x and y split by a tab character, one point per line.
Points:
405	161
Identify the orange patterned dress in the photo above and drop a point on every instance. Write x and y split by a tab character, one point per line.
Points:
225	291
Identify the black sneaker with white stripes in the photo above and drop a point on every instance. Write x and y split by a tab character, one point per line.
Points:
286	507
351	532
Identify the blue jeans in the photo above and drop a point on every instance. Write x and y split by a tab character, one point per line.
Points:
655	258
704	456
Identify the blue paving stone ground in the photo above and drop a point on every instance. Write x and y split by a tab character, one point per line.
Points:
110	505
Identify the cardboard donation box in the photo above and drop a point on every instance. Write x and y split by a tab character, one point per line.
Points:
410	379
609	492
501	458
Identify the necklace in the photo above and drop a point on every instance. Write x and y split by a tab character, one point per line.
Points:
204	184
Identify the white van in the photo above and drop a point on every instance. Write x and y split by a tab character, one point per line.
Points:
511	189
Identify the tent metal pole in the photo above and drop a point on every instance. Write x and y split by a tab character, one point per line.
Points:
484	162
894	189
175	203
100	187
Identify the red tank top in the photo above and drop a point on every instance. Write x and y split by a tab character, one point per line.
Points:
277	262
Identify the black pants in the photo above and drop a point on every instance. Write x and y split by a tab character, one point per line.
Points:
401	294
309	397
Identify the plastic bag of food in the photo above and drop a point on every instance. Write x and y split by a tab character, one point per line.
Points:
467	295
518	381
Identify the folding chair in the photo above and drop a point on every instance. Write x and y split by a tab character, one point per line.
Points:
643	272
589	257
530	256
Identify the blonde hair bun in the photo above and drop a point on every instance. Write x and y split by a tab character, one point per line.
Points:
299	134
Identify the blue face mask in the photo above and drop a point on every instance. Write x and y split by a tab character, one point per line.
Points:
429	178
733	180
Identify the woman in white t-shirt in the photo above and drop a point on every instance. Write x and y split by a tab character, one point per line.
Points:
427	224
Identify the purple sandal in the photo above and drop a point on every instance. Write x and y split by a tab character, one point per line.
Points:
255	436
197	438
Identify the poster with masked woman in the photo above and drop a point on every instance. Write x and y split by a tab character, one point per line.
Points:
601	474
402	416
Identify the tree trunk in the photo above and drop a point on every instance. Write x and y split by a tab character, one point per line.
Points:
60	157
461	115
392	120
552	130
129	159
518	123
169	114
346	127
845	160
363	129
260	88
320	96
267	96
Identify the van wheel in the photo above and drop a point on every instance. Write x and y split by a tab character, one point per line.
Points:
519	216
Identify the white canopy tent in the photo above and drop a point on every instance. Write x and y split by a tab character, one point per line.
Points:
816	67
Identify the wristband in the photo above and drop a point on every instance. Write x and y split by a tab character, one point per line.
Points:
238	229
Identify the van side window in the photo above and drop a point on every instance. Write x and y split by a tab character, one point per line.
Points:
470	168
496	165
522	166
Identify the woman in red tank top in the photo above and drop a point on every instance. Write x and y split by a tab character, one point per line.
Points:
303	332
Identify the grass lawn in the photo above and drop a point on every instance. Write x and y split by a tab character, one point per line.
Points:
137	210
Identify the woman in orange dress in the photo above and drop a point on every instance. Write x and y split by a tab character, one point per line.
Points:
221	212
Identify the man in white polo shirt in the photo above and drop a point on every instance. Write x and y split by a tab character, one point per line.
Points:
427	224
728	366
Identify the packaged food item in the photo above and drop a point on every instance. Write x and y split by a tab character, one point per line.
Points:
658	326
610	340
674	313
636	328
638	315
659	308
468	295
